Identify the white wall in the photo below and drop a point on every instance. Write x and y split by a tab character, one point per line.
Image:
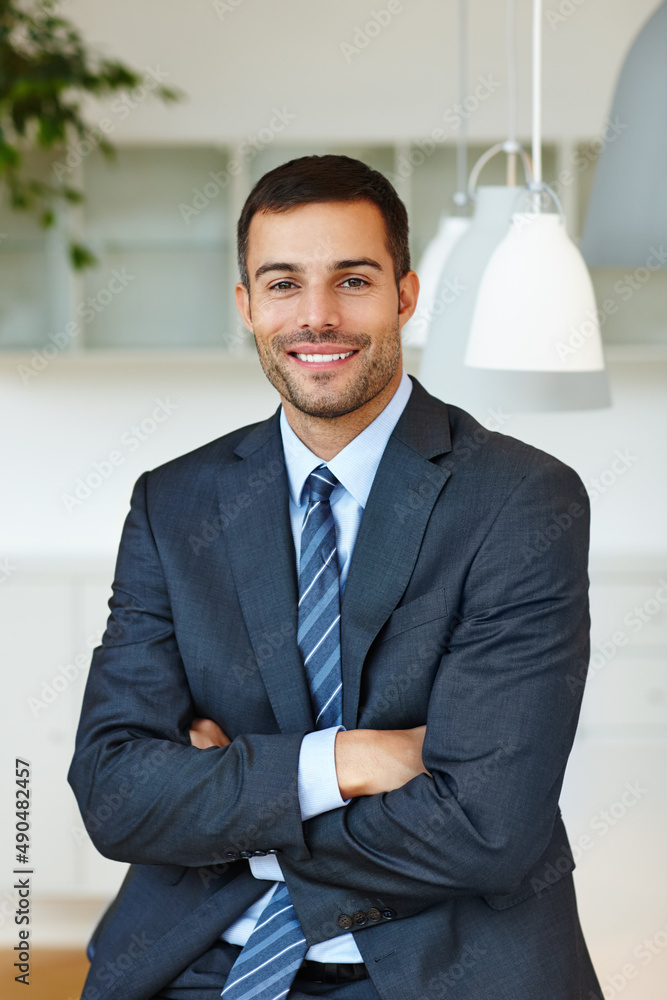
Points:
235	69
56	559
68	419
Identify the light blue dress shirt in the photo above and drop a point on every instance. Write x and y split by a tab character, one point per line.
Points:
354	467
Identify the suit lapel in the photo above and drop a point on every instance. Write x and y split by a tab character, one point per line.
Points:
404	492
254	504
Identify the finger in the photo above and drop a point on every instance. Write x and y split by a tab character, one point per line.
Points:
207	733
211	729
200	741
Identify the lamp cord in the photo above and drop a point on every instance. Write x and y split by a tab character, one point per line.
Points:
537	91
461	197
511	90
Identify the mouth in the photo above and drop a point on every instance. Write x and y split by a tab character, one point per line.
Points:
319	360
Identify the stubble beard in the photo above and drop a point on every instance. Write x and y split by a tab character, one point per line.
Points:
375	373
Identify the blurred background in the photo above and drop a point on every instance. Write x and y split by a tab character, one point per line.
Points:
109	370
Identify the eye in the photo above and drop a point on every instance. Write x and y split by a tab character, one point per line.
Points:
282	286
361	282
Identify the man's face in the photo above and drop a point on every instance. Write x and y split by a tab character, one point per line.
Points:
324	307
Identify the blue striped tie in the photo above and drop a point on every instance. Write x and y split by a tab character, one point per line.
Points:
268	961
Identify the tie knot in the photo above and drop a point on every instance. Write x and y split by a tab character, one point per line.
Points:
321	483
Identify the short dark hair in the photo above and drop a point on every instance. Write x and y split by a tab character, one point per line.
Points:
330	177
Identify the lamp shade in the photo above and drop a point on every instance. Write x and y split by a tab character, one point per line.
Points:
450	230
484	391
536	310
441	371
627	213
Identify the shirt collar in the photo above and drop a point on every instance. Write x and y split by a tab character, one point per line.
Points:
356	464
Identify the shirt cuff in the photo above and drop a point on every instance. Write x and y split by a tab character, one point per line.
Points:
266	866
317	779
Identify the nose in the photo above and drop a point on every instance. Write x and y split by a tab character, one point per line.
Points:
319	309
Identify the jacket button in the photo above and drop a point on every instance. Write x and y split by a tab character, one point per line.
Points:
274	850
245	854
345	921
373	913
231	855
360	918
259	854
388	913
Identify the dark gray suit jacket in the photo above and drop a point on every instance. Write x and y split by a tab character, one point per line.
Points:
466	608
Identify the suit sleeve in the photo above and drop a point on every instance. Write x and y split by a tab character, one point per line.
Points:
501	720
145	794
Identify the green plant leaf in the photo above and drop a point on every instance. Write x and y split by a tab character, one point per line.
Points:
45	71
81	257
72	195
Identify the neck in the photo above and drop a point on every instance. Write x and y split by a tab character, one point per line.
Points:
326	436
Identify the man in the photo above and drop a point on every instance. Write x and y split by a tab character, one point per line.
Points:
332	745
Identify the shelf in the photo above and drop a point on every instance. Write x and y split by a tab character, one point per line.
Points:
639	353
157	246
90	357
635	353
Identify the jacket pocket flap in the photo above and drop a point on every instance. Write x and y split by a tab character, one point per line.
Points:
427	608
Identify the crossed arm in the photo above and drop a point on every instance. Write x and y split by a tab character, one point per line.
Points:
500	724
368	761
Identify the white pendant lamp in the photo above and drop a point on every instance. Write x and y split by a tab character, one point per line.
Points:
442	371
627	213
536	308
535	311
451	227
450	230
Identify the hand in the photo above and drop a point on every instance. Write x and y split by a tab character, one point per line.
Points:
370	761
206	733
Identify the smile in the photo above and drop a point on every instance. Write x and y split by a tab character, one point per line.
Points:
323	358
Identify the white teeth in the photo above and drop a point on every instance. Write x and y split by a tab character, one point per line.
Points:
323	357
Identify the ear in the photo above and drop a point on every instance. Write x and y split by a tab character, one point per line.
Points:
408	293
243	304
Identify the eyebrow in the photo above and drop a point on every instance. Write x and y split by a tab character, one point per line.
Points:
338	265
